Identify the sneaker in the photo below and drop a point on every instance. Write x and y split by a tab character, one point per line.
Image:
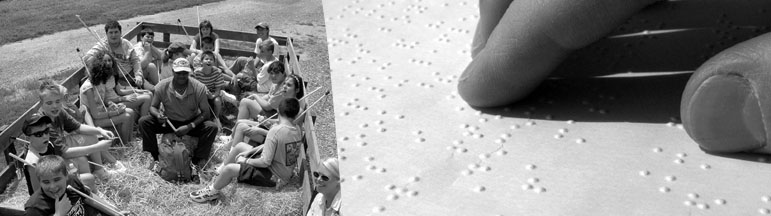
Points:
204	195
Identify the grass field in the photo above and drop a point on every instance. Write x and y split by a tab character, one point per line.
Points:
22	19
145	193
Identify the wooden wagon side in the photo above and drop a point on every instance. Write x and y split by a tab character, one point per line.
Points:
309	158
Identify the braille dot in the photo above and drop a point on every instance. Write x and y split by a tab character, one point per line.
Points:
530	167
478	136
505	135
381	170
362	144
390	187
693	195
482	120
530	123
500	141
664	189
563	130
540	190
533	180
670	178
689	203
527	187
657	149
679	161
570	122
515	126
681	155
451	147
670	124
378	209
358	177
720	201
580	140
764	211
480	189
457	142
484	156
461	150
473	129
702	206
558	136
412	193
414	179
392	197
466	172
645	173
364	125
417	132
473	166
371	167
765	198
501	152
381	130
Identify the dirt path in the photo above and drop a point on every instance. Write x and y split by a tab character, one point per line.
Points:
50	54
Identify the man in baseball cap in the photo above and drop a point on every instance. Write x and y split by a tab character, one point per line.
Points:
187	110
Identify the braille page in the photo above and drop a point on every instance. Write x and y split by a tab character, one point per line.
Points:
607	144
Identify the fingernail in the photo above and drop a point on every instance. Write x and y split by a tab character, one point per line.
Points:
724	115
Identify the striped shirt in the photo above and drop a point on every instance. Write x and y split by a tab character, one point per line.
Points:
213	80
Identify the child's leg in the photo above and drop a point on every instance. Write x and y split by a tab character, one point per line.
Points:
256	133
145	108
227	174
248	109
238	149
218	106
238	134
88	180
151	73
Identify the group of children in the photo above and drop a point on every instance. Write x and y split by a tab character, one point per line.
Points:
63	151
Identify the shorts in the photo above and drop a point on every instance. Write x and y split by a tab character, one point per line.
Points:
77	140
256	176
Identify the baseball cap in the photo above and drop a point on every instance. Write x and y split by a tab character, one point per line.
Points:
34	120
262	25
181	64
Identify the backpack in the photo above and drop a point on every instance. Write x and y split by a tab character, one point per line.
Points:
175	157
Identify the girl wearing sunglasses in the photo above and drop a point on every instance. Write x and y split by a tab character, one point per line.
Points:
327	183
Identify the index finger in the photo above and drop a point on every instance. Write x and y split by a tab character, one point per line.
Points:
530	40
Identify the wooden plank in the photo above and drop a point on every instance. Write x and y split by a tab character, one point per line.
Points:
307	191
7	176
133	32
224	34
293	58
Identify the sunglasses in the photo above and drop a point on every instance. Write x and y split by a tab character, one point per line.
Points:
41	133
323	177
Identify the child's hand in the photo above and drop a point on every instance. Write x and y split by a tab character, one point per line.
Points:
63	205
